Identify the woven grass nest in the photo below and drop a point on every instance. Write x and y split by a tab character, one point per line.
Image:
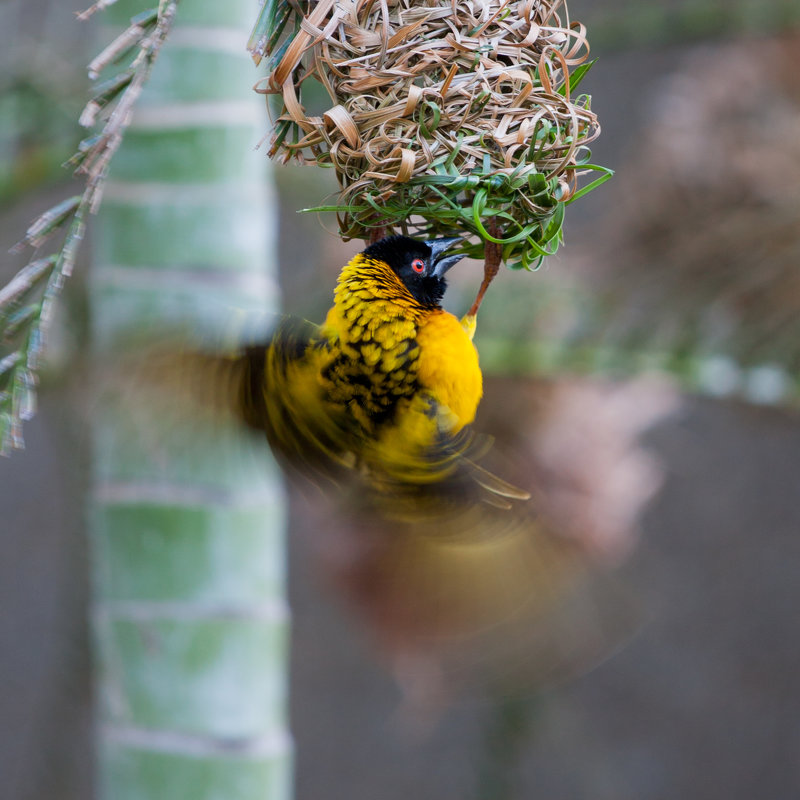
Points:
444	116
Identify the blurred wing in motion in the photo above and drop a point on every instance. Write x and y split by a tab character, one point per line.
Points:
463	588
455	572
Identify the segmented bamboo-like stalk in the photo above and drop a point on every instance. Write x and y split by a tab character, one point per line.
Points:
189	611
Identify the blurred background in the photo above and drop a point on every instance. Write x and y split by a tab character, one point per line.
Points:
686	262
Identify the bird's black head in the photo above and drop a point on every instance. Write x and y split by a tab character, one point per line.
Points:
421	266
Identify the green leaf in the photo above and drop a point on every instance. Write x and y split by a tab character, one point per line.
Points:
576	76
108	90
265	27
607	173
553	228
428	126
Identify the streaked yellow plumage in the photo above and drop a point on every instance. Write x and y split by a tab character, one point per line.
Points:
378	400
388	376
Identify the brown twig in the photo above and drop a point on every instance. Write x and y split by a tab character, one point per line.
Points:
493	254
376	234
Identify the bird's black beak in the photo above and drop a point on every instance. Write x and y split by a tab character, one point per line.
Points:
438	247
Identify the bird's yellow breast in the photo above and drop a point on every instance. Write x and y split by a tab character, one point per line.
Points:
384	347
448	366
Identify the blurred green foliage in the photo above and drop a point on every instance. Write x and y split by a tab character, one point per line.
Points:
43	52
624	24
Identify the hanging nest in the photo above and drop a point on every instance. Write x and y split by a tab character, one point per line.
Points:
443	116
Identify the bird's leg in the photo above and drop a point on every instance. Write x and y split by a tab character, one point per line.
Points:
492	255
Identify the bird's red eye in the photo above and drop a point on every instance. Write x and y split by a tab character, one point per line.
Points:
418	265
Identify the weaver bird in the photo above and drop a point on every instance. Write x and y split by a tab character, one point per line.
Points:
386	385
378	402
387	373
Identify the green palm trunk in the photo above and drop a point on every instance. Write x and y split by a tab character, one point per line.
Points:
187	538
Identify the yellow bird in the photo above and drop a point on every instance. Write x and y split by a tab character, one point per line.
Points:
378	400
386	382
